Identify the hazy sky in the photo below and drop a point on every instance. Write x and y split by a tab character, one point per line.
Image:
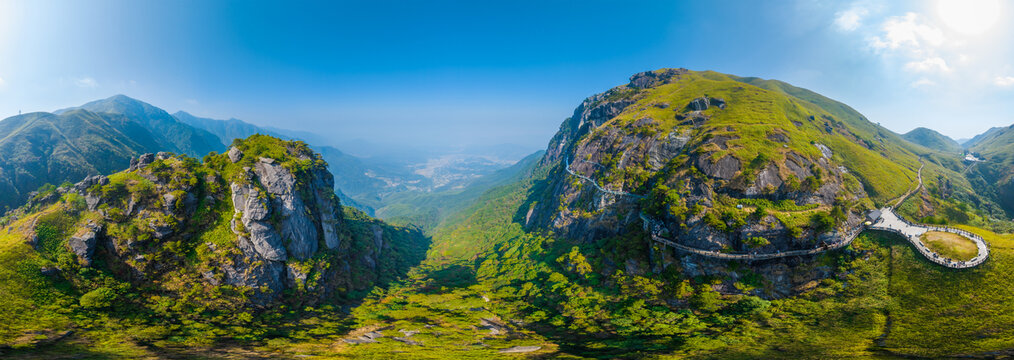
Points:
477	72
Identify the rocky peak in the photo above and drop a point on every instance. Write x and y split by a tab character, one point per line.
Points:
650	79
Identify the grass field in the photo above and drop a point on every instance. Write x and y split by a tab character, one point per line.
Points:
950	245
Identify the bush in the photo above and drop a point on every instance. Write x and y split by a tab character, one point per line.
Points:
100	298
750	305
756	241
822	222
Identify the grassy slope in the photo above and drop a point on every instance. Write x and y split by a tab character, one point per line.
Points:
932	311
933	140
177	311
757	108
41	148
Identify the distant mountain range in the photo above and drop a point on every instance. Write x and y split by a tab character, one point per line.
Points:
96	138
101	136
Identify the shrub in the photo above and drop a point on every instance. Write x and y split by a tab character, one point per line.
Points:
756	241
100	298
822	222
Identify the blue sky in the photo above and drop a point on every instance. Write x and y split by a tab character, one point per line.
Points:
472	72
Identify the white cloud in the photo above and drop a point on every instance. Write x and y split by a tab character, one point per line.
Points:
908	32
2	82
924	82
86	82
1004	81
933	64
851	19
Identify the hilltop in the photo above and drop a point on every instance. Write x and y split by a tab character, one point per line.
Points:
206	251
932	139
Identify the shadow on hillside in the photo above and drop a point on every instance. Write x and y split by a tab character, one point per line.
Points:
449	277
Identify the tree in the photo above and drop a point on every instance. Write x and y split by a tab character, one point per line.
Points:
706	299
822	222
759	213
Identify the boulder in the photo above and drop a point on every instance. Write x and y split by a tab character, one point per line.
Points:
83	244
141	161
235	155
725	168
704	102
520	349
90	181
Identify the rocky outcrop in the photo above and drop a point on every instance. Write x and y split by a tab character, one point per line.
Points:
83	243
252	225
235	155
141	162
650	79
704	102
725	168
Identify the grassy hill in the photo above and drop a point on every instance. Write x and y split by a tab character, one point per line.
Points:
933	140
41	148
171	134
170	263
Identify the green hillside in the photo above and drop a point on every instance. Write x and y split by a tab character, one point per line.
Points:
995	175
41	148
933	140
162	256
171	134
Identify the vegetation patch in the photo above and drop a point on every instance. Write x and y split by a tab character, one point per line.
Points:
950	245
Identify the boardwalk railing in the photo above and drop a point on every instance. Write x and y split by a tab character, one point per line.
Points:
596	184
655	228
981	245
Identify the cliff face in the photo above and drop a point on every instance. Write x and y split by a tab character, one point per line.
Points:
262	219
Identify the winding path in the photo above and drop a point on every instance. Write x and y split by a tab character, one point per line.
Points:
888	221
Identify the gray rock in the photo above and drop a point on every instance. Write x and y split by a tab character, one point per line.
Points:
704	102
169	202
378	238
328	207
250	269
84	245
49	271
297	228
767	178
90	181
266	241
649	79
520	349
725	168
141	161
248	200
92	201
235	155
294	277
824	150
407	341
